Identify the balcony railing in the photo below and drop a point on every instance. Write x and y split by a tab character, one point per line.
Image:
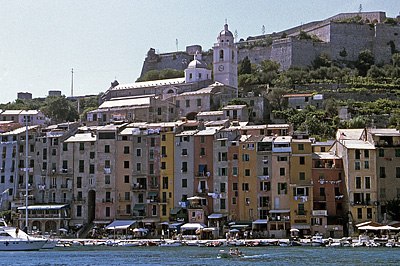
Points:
320	213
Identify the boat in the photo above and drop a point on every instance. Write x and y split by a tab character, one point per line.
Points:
228	255
13	239
50	244
316	241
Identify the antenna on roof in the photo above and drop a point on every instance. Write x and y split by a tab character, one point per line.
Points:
360	8
226	21
263	29
72	82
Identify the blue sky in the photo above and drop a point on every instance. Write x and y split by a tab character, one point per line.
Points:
41	41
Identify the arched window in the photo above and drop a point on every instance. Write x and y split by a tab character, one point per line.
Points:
221	54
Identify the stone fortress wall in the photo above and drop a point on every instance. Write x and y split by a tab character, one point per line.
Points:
335	37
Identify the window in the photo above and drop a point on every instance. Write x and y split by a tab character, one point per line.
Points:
222	171
163	151
366	164
106	148
108	211
163	165
79	211
282	188
397	172
247	172
159	111
44	154
381	153
222	204
321	176
91	168
222	187
223	143
126	179
81	166
198	102
357	166
91	155
234	171
234	186
357	154
151	169
202	139
358	182
127	195
126	149
233	201
302	176
187	103
382	172
367	182
184	182
245	186
107	180
138	167
359	213
246	157
301	147
369	213
322	191
139	140
366	153
78	182
128	208
265	186
282	158
397	152
235	156
265	170
152	142
300	209
178	103
81	146
184	167
107	164
202	151
165	182
281	171
222	156
65	146
247	201
302	160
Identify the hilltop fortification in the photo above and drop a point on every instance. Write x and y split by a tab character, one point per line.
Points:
332	35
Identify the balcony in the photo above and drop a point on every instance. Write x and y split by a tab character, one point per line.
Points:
320	213
79	199
139	187
110	200
66	171
282	149
203	175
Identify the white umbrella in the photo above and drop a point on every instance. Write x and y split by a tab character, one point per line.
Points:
234	230
294	230
195	198
63	230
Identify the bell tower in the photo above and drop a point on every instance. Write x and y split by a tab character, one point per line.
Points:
225	58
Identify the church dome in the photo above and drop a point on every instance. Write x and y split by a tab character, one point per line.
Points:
225	32
197	64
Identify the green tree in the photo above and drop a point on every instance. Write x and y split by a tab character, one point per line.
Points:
246	80
60	109
331	107
364	62
357	122
323	60
343	53
269	66
276	99
245	66
393	208
396	60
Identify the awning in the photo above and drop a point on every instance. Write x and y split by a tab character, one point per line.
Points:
150	220
175	211
215	216
120	224
174	226
301	226
192	226
164	223
139	207
239	226
44	207
210	229
153	194
279	211
101	222
260	221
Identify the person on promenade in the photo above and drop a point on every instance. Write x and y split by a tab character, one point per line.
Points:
231	251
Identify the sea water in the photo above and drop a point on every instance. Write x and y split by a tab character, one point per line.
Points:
192	255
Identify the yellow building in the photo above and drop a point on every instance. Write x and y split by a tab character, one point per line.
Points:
167	173
247	196
301	198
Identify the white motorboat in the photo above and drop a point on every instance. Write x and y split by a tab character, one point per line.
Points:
13	239
316	241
